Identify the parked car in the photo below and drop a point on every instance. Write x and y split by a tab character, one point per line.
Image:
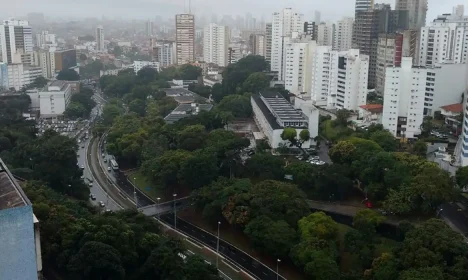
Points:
101	204
108	168
90	185
92	196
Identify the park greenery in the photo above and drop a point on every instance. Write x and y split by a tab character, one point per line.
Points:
81	104
199	155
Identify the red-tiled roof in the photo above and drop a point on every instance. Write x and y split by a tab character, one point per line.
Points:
373	108
455	108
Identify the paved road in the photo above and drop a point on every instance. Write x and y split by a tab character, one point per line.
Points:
226	249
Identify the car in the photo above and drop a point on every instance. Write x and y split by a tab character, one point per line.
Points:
316	157
90	185
92	196
101	203
105	160
108	210
82	146
82	177
82	166
108	168
90	179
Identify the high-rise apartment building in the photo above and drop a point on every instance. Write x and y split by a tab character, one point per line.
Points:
47	63
45	39
369	24
257	44
185	38
215	44
343	34
414	92
164	52
325	34
16	42
99	39
338	80
298	53
65	59
363	5
417	10
149	28
390	50
285	23
268	38
443	42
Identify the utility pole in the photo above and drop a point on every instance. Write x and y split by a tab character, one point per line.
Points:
217	247
175	212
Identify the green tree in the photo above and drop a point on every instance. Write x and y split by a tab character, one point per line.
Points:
117	51
290	134
342	117
109	113
191	138
238	105
256	82
189	72
68	75
165	169
97	260
366	221
197	269
322	267
385	140
461	176
272	237
138	106
343	152
75	110
147	75
426	126
427	273
318	225
265	166
199	170
420	148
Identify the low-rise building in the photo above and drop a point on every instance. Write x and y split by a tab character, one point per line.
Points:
453	116
139	64
186	110
54	99
20	256
371	113
273	113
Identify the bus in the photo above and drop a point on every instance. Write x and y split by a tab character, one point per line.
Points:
114	165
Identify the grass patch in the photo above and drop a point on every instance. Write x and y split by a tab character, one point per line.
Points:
146	186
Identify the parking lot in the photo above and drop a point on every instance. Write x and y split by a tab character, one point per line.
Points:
66	128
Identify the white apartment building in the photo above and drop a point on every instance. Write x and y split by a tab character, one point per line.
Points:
460	20
339	79
268	41
45	40
140	64
298	52
215	44
284	24
343	35
47	63
149	28
414	92
443	42
363	5
20	75
165	52
185	38
16	42
54	99
4	84
100	39
325	34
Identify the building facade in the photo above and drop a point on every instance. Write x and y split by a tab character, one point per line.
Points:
164	52
16	42
100	39
414	92
4	84
443	42
363	5
273	113
185	38
215	44
417	10
285	23
140	64
391	48
47	63
339	79
325	33
268	38
20	75
45	40
298	52
65	59
257	44
343	34
54	99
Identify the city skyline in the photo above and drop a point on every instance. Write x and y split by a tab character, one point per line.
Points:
332	10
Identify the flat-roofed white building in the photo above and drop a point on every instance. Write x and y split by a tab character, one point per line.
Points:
54	99
139	64
273	113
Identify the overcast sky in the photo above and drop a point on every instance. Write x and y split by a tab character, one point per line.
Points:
141	9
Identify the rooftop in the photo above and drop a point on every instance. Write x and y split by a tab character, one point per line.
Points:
182	95
186	110
373	108
454	108
278	111
11	194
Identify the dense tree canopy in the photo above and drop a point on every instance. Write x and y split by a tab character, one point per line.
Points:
68	75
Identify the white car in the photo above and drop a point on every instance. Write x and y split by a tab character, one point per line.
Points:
101	204
108	169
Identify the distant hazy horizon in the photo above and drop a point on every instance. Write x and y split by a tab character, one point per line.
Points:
149	9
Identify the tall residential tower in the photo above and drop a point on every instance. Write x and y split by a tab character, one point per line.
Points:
185	38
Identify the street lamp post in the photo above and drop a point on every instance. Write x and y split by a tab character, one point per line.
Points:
135	193
175	212
157	204
277	267
217	247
